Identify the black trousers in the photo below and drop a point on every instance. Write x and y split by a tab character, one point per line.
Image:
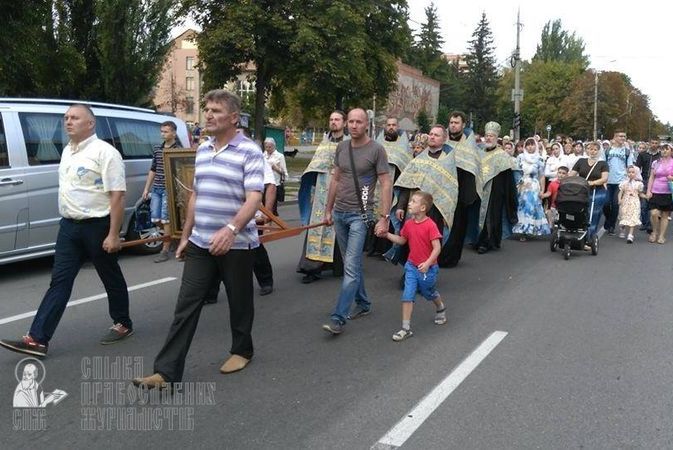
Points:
453	250
233	268
261	268
77	242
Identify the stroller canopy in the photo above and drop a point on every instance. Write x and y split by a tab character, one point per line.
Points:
573	190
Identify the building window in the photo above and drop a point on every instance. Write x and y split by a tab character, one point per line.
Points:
189	83
189	105
190	63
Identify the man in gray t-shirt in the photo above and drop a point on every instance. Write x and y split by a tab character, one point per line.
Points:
344	209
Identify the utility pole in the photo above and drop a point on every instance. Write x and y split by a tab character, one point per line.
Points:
595	104
517	92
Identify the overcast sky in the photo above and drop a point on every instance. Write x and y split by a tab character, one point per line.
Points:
635	40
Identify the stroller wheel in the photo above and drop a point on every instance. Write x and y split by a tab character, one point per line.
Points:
594	245
566	251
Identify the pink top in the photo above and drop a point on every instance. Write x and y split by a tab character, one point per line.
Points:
661	169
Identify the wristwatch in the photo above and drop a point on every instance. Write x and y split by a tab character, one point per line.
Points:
233	228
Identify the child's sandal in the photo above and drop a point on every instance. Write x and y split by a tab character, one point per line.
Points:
440	317
402	335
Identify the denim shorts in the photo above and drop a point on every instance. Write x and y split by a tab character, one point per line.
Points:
159	205
423	283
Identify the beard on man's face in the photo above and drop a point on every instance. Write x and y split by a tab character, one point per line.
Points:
390	135
456	136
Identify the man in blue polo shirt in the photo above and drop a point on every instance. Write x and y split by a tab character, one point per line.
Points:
218	240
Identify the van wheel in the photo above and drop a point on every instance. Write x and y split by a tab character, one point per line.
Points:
145	249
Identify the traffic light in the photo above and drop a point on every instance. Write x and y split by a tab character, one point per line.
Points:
516	123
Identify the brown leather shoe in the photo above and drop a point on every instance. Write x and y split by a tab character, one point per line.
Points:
155	381
234	364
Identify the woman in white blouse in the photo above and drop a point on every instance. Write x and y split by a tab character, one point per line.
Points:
277	162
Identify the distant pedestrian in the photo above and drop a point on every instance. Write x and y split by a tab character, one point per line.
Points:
155	186
421	269
644	163
630	191
618	157
532	220
659	194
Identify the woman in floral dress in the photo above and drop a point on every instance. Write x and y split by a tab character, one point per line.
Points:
532	220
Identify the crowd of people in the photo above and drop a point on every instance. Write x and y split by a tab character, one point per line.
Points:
415	203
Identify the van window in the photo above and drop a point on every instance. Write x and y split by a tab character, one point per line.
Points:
4	157
44	137
135	139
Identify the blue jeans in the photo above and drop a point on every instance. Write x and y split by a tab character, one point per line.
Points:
159	205
613	198
78	241
351	232
645	214
599	201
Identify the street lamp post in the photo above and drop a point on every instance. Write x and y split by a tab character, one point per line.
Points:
595	104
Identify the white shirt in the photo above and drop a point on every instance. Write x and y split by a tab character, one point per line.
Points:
277	158
551	166
570	160
86	175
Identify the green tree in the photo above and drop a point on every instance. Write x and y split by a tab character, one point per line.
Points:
108	50
423	121
371	37
133	41
482	76
557	44
238	32
425	54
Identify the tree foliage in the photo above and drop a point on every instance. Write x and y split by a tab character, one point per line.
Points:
482	76
557	44
423	121
107	50
425	53
327	53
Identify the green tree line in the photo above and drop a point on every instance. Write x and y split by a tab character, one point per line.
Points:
311	56
105	50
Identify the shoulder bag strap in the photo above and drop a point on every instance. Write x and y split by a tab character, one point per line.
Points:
591	170
358	192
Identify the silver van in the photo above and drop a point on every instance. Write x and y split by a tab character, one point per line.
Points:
31	141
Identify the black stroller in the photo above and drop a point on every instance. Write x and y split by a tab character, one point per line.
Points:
571	228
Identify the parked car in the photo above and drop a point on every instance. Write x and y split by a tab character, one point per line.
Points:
32	139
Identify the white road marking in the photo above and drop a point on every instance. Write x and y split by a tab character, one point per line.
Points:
403	430
87	299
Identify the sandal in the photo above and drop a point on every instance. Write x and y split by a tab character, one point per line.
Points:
661	240
402	335
653	238
440	317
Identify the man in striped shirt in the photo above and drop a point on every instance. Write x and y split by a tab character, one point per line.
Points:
155	186
218	239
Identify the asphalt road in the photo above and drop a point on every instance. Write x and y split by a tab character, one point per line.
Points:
585	362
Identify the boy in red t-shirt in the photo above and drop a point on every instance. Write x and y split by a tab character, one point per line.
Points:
552	191
420	271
